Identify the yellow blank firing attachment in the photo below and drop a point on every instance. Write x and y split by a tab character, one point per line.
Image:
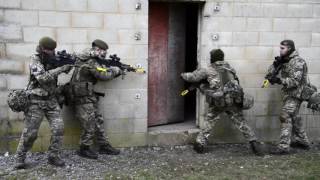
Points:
184	92
100	69
265	83
140	70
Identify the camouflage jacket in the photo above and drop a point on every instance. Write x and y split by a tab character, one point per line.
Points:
215	87
86	74
43	82
293	75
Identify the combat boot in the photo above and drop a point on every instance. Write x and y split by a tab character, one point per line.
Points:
279	151
86	152
256	148
299	145
20	164
56	161
199	148
108	149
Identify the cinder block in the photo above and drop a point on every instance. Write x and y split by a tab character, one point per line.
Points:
72	36
125	52
259	24
300	39
71	5
274	10
128	6
2	50
29	18
141	21
10	3
312	53
20	50
225	24
226	9
269	95
110	6
128	139
89	20
299	10
3	82
80	47
34	34
17	81
128	36
259	53
233	53
3	98
271	38
316	10
10	32
315	39
38	4
245	38
109	36
111	21
310	24
285	24
249	81
54	19
1	15
11	66
140	52
313	66
247	9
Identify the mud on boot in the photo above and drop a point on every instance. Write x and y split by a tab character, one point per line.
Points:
86	152
108	149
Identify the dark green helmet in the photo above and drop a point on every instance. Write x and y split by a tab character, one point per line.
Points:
216	55
47	43
100	44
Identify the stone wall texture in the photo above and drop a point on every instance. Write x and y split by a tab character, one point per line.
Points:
249	32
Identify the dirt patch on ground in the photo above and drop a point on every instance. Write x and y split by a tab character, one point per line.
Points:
228	161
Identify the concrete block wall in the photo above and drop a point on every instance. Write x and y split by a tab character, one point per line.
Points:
75	24
249	33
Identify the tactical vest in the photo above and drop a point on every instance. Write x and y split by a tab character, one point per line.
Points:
229	85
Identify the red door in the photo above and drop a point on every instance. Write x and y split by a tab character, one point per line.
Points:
166	62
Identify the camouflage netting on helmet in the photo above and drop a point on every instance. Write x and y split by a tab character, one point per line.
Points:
248	101
314	102
18	100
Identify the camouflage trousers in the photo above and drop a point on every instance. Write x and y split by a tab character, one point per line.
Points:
92	124
32	120
291	125
236	116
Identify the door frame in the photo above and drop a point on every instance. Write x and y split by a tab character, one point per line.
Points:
201	105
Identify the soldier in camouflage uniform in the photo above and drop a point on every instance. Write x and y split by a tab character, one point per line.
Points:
224	95
293	78
85	100
43	102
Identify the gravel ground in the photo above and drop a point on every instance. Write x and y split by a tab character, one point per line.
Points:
227	161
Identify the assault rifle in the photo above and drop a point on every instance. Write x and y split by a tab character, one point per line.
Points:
277	67
193	86
115	62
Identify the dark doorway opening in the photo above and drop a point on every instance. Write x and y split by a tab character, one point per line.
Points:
173	45
191	57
